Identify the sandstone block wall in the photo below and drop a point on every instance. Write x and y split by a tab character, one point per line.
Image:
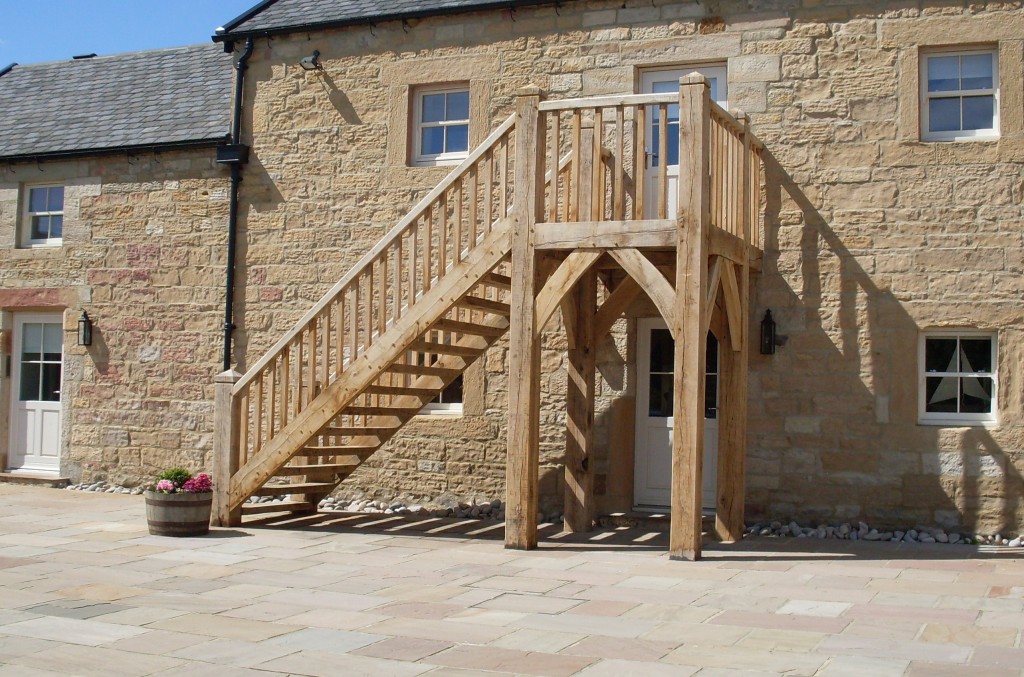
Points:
871	235
143	252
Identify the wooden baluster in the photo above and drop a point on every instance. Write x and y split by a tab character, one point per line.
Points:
597	169
662	161
414	254
325	347
311	360
474	208
442	237
488	191
339	335
368	308
382	309
428	240
355	318
552	167
243	428
299	373
639	161
272	414
258	423
459	228
618	199
396	310
286	383
577	147
503	164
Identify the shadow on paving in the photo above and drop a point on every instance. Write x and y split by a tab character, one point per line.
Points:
550	536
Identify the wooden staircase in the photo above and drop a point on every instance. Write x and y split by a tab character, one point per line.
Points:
421	306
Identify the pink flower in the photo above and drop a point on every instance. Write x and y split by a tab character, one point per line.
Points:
200	484
166	486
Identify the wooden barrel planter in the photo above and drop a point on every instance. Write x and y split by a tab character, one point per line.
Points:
178	514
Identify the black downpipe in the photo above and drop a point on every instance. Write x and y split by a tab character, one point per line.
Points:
236	180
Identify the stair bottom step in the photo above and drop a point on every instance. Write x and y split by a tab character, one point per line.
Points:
277	506
36	479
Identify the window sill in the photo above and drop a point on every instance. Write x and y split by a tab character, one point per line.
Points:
960	139
440	162
433	413
957	423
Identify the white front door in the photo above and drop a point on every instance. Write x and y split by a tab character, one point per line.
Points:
35	393
652	477
656	82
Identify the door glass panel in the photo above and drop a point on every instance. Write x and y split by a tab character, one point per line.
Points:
672	125
53	342
711	377
662	351
30	382
50	391
660	403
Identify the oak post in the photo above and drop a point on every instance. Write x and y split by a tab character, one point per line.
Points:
691	282
522	465
732	440
226	415
579	416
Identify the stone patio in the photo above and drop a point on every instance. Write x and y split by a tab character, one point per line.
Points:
84	590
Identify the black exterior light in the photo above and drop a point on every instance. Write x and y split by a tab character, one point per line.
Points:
84	330
311	62
768	334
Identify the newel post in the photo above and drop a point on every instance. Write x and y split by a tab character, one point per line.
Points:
694	214
522	465
226	418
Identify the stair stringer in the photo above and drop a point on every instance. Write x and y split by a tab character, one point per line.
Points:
367	367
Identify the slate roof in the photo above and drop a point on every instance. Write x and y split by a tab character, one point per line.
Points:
179	96
284	16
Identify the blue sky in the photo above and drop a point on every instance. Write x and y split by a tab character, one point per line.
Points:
51	30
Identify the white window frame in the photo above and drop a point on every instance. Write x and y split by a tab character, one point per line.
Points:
26	217
419	158
926	96
440	408
954	418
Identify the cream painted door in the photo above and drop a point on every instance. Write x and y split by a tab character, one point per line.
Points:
652	476
35	393
655	82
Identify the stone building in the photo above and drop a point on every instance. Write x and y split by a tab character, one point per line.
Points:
111	203
891	212
890	251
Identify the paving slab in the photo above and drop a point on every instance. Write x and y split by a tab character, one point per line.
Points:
358	595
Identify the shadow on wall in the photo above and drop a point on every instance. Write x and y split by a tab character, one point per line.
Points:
822	441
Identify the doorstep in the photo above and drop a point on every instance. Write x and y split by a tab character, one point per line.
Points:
34	479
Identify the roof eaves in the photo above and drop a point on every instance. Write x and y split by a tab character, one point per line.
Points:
116	150
227	36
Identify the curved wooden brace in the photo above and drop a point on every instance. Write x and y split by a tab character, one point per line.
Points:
615	305
561	283
651	281
733	306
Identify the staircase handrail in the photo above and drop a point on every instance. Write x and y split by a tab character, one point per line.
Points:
368	259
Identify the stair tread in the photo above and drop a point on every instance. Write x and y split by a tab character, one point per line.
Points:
339	448
364	410
423	370
296	488
486	305
432	347
337	468
276	506
497	280
357	431
401	390
459	327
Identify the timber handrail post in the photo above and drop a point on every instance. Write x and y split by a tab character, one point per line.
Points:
522	465
693	207
226	422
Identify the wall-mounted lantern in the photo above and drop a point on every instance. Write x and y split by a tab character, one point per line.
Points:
84	330
311	62
768	334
